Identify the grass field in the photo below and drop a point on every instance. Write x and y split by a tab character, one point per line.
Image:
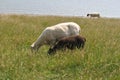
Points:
99	60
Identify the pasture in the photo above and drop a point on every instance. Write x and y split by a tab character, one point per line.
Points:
99	60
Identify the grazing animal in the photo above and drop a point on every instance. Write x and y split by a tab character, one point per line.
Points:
94	15
52	34
68	42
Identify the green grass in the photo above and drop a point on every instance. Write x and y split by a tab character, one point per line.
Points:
99	60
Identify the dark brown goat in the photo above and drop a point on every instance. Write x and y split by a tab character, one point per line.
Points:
68	42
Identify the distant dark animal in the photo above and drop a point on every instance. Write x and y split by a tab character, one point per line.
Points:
71	43
94	15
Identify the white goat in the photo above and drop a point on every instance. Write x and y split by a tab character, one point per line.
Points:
51	34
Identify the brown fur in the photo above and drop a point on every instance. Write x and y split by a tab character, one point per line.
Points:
71	43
